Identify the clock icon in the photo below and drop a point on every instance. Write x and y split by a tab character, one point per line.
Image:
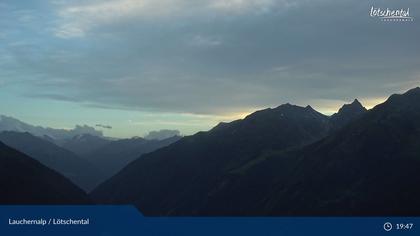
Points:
387	226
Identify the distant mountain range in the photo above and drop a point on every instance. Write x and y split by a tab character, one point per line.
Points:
285	161
110	156
80	171
162	134
83	144
115	155
85	159
24	180
11	124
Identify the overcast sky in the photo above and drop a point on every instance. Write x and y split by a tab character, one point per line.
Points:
142	65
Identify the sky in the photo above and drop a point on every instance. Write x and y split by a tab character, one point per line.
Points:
143	65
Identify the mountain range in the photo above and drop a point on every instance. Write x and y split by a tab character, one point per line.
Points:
79	170
24	180
115	155
110	156
285	161
11	124
83	144
85	159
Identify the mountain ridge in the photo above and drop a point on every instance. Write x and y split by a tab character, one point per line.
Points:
24	180
77	169
276	179
201	159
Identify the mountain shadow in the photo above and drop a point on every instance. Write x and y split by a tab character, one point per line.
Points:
24	180
78	170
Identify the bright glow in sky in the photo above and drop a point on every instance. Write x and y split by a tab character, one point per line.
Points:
142	65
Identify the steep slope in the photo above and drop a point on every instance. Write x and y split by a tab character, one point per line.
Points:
78	170
113	156
370	167
26	181
178	179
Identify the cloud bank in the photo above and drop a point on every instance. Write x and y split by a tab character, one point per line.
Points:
162	134
206	57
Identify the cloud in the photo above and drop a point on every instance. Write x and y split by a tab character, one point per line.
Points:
103	126
202	41
209	57
239	6
75	20
162	134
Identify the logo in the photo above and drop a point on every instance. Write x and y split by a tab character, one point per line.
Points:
388	14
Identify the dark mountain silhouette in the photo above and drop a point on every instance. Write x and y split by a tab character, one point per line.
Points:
347	113
256	166
177	179
84	144
114	155
367	168
78	170
26	181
